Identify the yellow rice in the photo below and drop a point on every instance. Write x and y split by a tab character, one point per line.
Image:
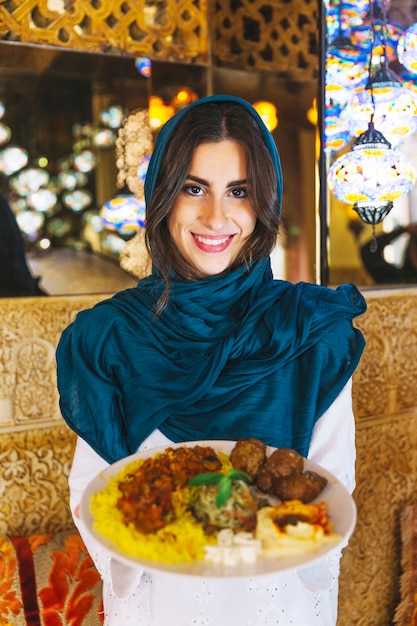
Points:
181	541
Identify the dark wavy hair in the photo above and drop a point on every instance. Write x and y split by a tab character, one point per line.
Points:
209	123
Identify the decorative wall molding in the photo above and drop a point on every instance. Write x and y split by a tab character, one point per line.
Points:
385	381
386	480
164	30
276	36
34	469
29	332
385	405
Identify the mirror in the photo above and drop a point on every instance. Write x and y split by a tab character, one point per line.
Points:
364	60
54	105
63	112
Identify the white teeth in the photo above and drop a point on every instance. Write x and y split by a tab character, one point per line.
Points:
212	242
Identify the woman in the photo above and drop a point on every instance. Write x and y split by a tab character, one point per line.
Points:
211	347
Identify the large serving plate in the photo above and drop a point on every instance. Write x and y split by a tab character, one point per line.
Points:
341	510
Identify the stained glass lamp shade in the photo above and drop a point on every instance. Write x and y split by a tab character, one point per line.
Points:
345	69
384	41
393	107
124	214
371	176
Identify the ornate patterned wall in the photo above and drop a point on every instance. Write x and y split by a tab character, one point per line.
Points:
36	446
385	401
279	37
164	30
29	332
276	36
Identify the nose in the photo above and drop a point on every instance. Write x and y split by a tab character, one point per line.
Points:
214	215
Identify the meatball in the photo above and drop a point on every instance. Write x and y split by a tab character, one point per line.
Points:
303	486
248	455
282	462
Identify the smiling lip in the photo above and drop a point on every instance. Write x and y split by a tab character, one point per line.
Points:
212	243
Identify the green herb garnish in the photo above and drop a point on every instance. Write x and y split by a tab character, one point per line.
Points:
223	480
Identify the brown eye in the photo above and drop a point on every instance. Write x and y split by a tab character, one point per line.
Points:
240	192
193	190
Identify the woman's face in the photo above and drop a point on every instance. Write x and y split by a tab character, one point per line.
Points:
212	217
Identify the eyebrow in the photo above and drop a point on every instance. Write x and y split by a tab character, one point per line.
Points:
201	181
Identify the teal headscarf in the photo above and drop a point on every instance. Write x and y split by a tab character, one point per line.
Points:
234	355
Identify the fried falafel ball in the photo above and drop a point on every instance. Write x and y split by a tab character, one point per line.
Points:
304	486
248	455
282	462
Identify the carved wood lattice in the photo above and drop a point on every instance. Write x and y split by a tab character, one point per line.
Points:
159	29
280	36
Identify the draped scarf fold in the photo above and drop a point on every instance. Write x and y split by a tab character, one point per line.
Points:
234	355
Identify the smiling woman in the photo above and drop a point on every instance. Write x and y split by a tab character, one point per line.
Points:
210	346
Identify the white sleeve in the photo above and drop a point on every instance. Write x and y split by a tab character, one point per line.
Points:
120	578
333	447
333	442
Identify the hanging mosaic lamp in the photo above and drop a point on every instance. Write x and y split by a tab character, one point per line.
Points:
393	106
113	116
77	200
69	179
346	69
29	180
85	161
43	200
124	213
371	176
103	138
13	159
377	37
30	223
407	49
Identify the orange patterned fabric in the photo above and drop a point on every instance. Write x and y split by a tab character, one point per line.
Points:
48	580
10	602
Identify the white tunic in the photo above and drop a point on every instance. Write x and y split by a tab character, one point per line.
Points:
306	597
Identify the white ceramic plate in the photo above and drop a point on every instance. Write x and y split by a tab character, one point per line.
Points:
341	510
